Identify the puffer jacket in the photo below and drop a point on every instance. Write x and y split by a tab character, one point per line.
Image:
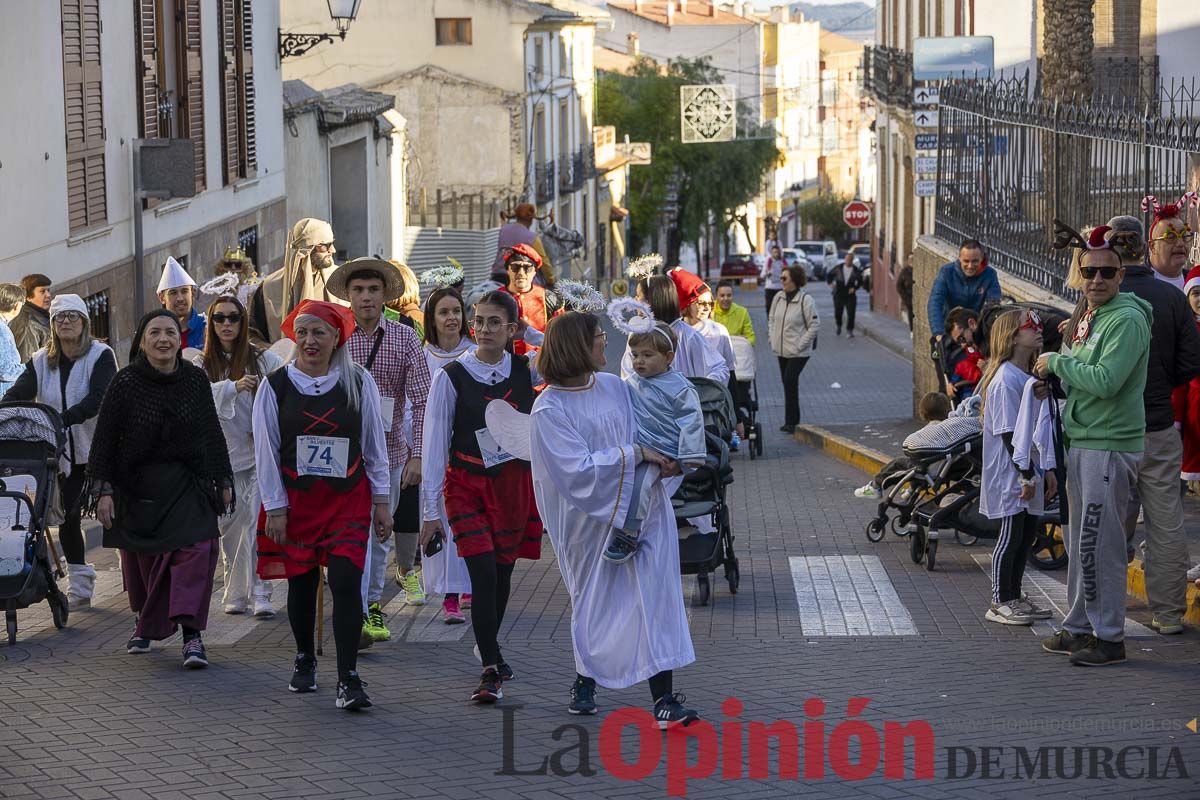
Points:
793	325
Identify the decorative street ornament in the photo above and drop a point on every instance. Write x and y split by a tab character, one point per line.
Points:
708	113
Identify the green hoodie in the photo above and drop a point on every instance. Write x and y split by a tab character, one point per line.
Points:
1105	378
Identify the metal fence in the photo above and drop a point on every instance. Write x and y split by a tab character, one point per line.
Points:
1010	162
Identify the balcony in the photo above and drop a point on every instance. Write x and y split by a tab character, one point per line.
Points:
565	179
888	76
544	180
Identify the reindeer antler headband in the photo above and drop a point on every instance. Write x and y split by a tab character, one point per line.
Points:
1065	236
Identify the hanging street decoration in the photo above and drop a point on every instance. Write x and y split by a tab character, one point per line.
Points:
708	113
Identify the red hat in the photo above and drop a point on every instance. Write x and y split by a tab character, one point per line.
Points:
1193	279
524	251
688	285
339	317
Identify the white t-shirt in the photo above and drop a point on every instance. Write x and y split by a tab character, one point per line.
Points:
1178	281
1000	489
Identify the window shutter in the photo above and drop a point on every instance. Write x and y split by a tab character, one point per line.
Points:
194	88
230	91
148	53
248	104
87	204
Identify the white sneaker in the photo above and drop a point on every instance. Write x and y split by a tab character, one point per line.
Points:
235	608
869	491
1008	614
262	607
1193	574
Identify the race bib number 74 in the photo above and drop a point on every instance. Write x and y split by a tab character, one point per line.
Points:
322	456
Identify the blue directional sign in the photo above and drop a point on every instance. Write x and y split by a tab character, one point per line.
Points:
927	141
939	57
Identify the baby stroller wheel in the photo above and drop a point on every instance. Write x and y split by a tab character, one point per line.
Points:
58	609
931	554
965	539
758	437
875	530
703	588
1049	551
898	528
916	545
10	617
733	575
752	449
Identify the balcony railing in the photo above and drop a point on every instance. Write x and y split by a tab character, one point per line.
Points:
565	183
888	75
544	178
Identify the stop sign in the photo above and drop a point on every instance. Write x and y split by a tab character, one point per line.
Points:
857	214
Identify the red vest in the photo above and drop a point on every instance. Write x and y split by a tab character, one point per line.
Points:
532	305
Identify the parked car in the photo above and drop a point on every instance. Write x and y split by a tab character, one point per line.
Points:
823	255
792	257
741	265
862	255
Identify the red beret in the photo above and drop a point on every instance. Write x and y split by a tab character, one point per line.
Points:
525	251
339	318
688	285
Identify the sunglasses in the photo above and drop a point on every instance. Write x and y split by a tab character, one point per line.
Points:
522	266
221	319
1107	273
1033	322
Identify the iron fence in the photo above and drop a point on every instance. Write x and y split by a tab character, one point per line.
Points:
1009	162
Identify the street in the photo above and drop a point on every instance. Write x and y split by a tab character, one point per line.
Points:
821	614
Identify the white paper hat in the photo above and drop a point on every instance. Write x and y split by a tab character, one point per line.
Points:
174	276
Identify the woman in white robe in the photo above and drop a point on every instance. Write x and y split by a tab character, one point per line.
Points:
628	623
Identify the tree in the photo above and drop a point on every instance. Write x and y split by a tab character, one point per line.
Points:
687	186
1067	67
825	212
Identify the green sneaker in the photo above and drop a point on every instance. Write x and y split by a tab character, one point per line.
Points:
373	625
414	594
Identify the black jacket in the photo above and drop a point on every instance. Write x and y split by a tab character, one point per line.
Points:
1174	343
841	286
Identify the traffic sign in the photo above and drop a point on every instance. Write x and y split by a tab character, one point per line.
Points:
925	119
940	57
857	214
927	96
927	141
926	188
926	164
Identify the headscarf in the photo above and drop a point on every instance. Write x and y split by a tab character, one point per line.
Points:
340	318
135	349
304	235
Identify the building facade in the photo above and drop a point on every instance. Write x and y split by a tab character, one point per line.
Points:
175	69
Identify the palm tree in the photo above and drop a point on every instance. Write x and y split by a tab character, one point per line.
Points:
1068	34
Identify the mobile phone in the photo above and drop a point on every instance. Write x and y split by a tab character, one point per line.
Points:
434	546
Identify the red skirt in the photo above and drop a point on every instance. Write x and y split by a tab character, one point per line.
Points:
494	514
321	523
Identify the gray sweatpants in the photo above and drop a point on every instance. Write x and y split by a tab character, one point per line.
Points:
1097	493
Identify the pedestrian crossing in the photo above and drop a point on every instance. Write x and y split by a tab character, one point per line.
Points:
848	596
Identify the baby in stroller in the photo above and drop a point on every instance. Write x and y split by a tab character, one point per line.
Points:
934	408
670	422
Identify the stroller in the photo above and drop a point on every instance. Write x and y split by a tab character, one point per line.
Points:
702	494
745	367
31	444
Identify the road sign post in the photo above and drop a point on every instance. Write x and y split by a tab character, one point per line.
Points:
857	214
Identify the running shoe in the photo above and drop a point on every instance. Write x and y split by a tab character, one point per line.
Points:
194	656
869	492
1065	643
1008	614
1034	610
451	615
1166	628
304	674
414	595
464	601
583	697
373	625
263	608
505	672
350	694
490	687
364	639
621	548
137	644
669	711
235	608
1193	574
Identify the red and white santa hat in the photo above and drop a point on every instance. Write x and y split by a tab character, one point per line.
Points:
688	286
1193	279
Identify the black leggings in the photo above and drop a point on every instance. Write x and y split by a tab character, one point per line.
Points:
490	585
789	371
1017	535
660	683
70	535
345	580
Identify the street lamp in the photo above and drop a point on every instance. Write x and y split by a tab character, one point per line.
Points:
342	12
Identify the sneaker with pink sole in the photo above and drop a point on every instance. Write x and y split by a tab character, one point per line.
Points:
451	615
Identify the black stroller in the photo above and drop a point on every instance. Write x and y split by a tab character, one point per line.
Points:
702	494
31	443
745	367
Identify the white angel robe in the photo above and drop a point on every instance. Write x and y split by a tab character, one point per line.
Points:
627	620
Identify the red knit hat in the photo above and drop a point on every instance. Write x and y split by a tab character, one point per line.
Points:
688	285
339	318
1193	279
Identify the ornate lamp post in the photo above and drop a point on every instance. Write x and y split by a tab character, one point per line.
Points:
342	12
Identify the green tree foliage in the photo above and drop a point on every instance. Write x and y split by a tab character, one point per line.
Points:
825	212
710	180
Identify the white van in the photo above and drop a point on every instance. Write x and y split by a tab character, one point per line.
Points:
822	255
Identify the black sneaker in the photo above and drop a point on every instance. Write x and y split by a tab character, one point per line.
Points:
194	656
787	429
1065	643
304	674
669	711
583	696
1099	653
350	694
137	644
621	548
490	687
504	671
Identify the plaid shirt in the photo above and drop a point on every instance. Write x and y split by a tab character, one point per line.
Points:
401	372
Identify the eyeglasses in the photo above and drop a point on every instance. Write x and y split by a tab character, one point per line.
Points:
68	317
327	247
1107	273
221	319
704	303
1185	234
1032	322
601	335
493	324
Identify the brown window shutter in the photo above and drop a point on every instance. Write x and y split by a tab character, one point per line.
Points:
87	203
247	105
194	85
148	53
230	91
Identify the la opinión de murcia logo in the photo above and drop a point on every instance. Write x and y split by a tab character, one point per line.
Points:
632	748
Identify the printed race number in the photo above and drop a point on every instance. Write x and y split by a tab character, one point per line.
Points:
322	456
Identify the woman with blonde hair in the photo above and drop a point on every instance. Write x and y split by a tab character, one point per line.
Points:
1013	495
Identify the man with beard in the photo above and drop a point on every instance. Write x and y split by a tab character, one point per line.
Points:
307	264
176	291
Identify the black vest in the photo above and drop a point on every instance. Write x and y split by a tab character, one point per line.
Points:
473	398
325	415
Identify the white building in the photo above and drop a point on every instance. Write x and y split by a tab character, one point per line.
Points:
181	69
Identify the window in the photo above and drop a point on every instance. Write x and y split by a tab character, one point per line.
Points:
539	58
564	57
87	204
453	30
239	124
248	241
97	306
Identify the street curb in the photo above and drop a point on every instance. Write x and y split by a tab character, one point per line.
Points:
1136	584
886	343
856	455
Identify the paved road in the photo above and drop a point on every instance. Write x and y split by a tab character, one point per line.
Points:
821	614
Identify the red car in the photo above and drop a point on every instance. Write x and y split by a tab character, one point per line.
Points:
741	265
